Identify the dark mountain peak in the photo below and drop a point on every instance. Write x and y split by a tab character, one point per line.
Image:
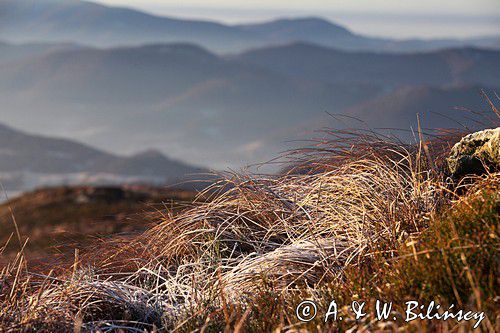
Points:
155	159
308	22
95	24
26	153
6	129
298	28
150	154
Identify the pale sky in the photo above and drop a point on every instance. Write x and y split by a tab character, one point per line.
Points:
390	18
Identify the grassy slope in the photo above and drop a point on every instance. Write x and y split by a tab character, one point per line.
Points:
62	218
454	260
370	219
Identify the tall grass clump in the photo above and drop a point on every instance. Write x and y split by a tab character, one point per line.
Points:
358	217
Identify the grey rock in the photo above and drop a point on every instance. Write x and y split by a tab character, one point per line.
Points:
476	154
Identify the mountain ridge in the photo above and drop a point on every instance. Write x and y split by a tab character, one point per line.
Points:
28	156
196	106
332	65
436	108
99	25
296	28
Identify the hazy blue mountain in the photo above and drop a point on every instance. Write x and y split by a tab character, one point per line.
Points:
98	25
451	107
491	42
445	67
398	113
181	99
323	32
28	161
14	52
311	29
218	111
94	24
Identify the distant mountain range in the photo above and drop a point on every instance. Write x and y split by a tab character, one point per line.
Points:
459	107
222	111
10	52
98	25
192	104
28	161
208	93
443	67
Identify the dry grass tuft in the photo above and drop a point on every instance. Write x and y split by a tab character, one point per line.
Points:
350	205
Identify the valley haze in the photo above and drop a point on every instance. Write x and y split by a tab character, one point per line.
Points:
223	95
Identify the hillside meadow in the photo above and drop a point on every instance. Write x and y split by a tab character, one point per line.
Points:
357	217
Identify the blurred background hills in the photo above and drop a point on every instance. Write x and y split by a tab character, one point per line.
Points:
108	95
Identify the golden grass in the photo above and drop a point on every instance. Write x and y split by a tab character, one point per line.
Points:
242	260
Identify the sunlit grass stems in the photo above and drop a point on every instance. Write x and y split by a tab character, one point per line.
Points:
357	216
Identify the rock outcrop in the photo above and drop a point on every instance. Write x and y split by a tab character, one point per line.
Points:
476	154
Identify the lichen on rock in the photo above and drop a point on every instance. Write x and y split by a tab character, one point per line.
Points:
476	154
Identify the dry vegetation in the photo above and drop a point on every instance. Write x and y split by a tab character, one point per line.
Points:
58	220
361	217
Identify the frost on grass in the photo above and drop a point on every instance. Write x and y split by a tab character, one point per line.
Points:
344	206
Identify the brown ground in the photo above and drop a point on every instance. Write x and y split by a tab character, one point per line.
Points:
81	216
